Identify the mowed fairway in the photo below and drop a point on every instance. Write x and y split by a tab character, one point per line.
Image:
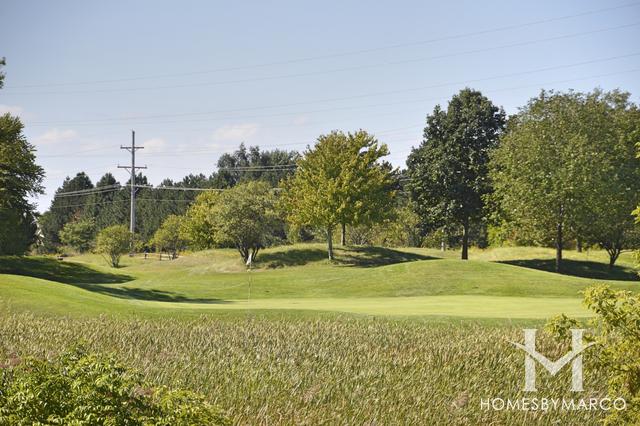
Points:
500	283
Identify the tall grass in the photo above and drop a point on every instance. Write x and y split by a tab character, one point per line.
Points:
343	370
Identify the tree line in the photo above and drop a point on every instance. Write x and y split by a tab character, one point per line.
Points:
562	171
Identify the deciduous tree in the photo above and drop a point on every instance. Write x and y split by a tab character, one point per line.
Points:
78	234
20	177
243	217
340	181
566	169
113	242
170	236
448	172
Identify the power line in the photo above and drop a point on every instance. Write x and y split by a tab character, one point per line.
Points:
118	201
433	86
187	152
341	54
254	168
335	70
89	191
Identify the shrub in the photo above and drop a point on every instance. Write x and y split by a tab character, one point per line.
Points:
243	217
113	242
170	236
78	234
86	389
616	332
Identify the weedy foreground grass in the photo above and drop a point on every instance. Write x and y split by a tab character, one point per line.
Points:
331	370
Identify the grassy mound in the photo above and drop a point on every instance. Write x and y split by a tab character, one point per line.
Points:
500	283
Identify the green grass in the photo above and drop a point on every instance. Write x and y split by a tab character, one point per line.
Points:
412	336
498	283
337	370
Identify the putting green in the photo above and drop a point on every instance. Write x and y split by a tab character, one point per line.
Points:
498	283
462	306
39	295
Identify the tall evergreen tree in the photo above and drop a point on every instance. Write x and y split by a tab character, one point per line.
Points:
64	208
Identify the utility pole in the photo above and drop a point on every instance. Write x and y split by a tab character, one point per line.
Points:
132	168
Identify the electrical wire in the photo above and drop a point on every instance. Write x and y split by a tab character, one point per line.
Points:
342	54
433	86
330	71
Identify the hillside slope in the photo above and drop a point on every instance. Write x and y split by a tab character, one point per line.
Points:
364	280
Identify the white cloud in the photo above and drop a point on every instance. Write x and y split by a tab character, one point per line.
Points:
11	109
55	136
154	145
235	132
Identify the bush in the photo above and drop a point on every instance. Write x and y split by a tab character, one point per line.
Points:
78	234
84	389
616	332
243	217
113	242
169	237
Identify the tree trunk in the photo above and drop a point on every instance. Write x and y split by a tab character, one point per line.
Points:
330	243
559	247
579	245
465	239
343	235
613	256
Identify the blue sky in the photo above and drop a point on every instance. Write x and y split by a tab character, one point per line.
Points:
196	78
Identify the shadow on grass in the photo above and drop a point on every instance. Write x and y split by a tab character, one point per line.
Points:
146	294
579	268
366	257
59	271
87	278
292	257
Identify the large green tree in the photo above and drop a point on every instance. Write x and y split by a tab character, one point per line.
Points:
613	123
78	234
340	181
448	172
565	169
199	221
20	178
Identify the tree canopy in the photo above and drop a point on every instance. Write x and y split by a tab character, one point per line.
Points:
3	62
340	181
78	234
20	178
170	237
253	164
448	172
64	208
112	242
243	217
565	169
